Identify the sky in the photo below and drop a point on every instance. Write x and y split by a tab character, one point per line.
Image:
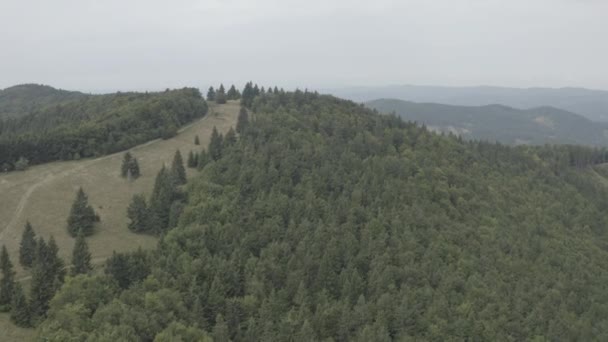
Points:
111	45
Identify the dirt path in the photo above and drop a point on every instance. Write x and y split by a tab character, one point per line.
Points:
52	176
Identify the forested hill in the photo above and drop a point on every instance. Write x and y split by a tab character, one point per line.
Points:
24	99
96	125
325	221
593	104
542	125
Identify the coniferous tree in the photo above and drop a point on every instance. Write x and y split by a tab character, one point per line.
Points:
7	283
230	138
57	265
134	168
161	199
126	161
27	247
232	93
215	144
197	140
139	214
81	257
129	167
178	172
247	95
242	120
211	94
82	216
20	309
48	273
220	96
202	159
191	162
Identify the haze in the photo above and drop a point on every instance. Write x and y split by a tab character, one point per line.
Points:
115	45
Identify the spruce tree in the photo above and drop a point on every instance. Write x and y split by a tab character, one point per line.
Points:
220	96
20	309
81	257
134	168
211	94
7	283
139	215
232	93
202	159
215	145
191	162
47	276
242	120
129	167
27	247
178	172
82	216
163	194
126	162
197	140
230	138
57	265
247	95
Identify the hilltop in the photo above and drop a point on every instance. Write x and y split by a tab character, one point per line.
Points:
536	126
24	99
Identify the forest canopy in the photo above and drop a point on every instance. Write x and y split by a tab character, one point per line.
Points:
326	221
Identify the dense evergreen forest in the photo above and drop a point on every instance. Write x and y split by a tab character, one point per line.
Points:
326	221
95	125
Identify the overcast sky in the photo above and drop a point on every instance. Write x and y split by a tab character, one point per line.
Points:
128	45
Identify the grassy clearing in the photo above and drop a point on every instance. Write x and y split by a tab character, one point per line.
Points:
43	195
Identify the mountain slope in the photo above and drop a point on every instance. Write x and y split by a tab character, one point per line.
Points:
43	195
24	99
325	221
593	104
500	123
96	125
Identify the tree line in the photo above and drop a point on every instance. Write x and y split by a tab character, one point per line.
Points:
96	125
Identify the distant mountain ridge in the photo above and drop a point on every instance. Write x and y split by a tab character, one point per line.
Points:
501	123
24	99
593	104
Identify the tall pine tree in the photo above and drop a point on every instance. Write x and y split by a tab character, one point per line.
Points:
27	247
190	161
215	144
139	215
242	120
163	195
178	172
220	96
47	276
211	94
81	257
82	216
7	283
130	167
20	309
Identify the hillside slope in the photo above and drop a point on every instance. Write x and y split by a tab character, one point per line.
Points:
500	123
43	196
593	104
325	221
96	125
24	99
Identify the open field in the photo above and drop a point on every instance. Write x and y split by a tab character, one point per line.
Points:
43	195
